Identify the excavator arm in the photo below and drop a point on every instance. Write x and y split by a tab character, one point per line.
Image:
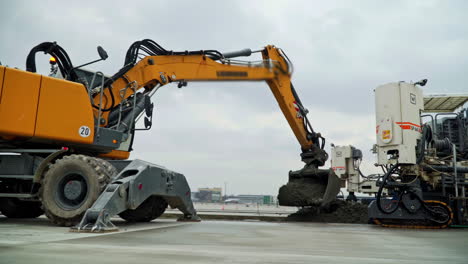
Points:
156	71
307	186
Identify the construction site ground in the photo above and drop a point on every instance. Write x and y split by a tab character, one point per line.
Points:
338	212
168	241
237	211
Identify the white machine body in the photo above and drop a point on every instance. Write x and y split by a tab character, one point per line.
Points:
343	161
398	122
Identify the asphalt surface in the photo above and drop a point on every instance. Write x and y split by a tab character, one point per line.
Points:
167	241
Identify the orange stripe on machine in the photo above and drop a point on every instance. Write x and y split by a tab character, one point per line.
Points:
409	126
407	123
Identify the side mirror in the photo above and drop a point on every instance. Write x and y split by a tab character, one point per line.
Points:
148	106
148	123
102	53
421	82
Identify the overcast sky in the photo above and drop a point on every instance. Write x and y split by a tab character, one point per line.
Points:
234	132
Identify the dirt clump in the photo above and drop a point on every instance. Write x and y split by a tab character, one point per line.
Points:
301	192
338	211
309	187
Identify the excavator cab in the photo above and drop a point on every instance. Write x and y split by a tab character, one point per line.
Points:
61	158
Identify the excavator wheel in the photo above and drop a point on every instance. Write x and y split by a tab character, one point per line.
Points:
71	186
150	209
16	208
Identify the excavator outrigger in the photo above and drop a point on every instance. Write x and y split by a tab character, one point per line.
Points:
96	126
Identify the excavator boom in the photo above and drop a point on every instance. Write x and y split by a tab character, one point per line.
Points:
307	186
155	71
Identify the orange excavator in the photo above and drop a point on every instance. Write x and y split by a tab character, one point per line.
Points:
66	137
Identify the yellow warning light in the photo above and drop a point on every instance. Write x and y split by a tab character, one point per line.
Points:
114	141
52	60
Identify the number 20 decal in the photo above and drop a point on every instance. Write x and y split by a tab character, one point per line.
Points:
84	131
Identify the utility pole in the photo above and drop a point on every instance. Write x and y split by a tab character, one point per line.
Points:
225	190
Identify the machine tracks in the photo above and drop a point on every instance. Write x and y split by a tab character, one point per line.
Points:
420	224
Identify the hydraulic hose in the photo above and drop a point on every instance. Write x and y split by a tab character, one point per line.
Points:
429	209
379	193
112	100
426	137
307	125
444	168
151	48
63	60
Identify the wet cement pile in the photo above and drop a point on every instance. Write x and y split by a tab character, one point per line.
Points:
339	211
302	192
309	186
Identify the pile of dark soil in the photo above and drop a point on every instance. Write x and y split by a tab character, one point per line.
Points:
308	187
302	192
339	211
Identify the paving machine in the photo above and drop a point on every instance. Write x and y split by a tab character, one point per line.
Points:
346	161
422	146
66	138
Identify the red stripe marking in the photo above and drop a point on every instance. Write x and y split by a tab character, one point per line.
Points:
334	168
407	123
295	106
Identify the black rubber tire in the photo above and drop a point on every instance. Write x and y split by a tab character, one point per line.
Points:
96	173
150	209
16	208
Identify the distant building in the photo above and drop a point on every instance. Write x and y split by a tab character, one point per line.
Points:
194	196
214	195
209	195
255	199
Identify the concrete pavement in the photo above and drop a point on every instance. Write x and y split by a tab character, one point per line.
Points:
166	241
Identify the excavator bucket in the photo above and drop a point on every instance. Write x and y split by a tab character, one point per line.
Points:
310	186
